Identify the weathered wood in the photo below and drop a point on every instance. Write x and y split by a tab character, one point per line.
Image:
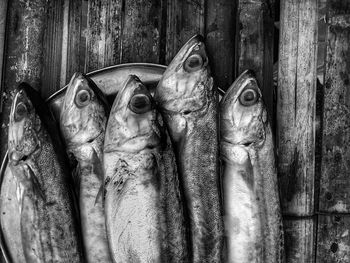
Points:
123	31
296	106
184	19
75	42
104	26
255	38
3	14
333	239
24	57
52	48
220	40
335	167
141	37
299	235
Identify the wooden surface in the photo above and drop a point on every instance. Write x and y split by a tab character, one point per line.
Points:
335	183
3	11
296	106
299	234
254	41
333	239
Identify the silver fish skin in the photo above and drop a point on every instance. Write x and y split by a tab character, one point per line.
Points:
253	221
188	103
143	208
48	213
83	122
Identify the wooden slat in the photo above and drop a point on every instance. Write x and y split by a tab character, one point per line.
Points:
333	239
3	14
335	183
104	14
123	31
24	58
255	38
184	19
296	106
52	48
74	50
298	236
142	27
220	40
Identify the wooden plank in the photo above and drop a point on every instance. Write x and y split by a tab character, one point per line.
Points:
3	14
333	239
184	19
75	56
104	22
220	40
255	38
335	167
123	31
299	237
52	48
142	31
296	106
24	56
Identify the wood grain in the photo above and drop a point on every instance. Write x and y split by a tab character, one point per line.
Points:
220	21
3	14
299	235
333	239
52	48
183	19
296	106
24	57
335	167
255	38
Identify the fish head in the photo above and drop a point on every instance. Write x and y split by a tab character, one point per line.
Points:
243	113
24	128
183	87
132	124
83	116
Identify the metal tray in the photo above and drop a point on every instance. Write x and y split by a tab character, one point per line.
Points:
110	81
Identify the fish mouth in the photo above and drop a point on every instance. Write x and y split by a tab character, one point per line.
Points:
118	146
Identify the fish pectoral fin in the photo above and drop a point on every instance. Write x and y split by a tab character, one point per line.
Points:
35	184
99	196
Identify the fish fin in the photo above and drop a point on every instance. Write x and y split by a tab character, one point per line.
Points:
100	195
35	183
76	178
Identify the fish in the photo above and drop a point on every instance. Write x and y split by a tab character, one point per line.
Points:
10	216
83	122
143	205
48	214
252	211
188	102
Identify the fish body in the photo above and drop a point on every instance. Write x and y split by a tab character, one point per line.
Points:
48	216
83	121
10	216
188	103
143	209
251	201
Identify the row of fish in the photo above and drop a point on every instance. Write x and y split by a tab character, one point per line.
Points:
156	177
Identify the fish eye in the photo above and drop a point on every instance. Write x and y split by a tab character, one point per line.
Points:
140	103
248	97
82	98
193	63
21	111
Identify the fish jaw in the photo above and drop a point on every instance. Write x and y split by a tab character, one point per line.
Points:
243	113
24	127
130	129
83	115
183	87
